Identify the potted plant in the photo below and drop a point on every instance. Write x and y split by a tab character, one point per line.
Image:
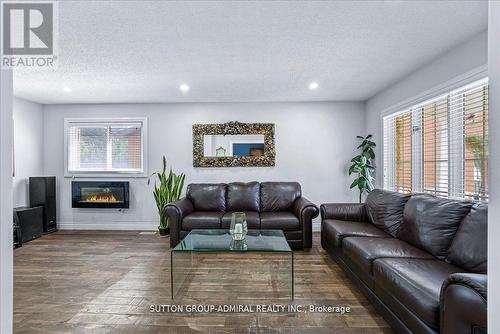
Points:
362	166
168	190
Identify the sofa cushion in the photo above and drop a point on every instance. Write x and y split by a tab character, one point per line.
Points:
469	249
202	220
252	217
430	223
278	196
285	221
385	209
334	231
207	197
416	283
243	196
363	251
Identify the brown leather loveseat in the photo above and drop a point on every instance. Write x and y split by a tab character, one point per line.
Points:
268	205
420	259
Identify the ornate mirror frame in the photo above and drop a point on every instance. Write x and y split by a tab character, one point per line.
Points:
234	128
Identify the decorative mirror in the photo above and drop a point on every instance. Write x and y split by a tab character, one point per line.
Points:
233	144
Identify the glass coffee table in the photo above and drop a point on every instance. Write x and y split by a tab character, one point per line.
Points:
263	256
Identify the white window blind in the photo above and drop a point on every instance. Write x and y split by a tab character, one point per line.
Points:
434	128
440	146
469	107
114	146
404	154
398	152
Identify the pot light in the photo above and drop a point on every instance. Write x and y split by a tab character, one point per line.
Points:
184	88
313	85
67	89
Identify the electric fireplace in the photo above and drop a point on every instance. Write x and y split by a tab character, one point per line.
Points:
100	194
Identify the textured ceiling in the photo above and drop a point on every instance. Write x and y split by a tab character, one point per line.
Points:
141	51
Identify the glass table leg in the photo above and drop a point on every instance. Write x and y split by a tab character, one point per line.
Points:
181	264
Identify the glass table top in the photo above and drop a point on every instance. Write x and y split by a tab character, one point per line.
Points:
221	241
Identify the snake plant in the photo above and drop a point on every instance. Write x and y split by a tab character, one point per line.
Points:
167	190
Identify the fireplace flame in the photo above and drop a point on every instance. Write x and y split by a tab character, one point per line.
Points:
101	198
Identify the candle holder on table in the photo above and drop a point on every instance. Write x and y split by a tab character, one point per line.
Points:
238	228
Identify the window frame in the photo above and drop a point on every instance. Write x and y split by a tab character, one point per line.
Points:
110	122
411	106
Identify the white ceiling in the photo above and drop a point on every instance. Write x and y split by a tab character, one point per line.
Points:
138	51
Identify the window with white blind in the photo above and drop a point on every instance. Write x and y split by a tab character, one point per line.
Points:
440	146
105	146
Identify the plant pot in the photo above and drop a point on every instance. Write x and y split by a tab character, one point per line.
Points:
164	232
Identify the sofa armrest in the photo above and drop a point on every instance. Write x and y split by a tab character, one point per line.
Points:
463	304
306	211
344	211
176	211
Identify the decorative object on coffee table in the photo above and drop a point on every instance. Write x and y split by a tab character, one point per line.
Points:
362	166
220	152
238	228
238	245
167	191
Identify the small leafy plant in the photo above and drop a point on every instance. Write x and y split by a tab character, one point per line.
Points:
362	166
166	191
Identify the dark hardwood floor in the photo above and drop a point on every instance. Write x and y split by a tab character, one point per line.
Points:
105	282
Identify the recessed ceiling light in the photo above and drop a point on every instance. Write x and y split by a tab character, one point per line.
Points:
313	85
184	88
67	89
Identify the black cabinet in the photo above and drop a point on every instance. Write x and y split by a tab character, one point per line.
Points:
29	222
17	232
42	192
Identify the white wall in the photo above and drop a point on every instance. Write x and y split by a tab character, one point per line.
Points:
28	147
314	143
494	168
6	261
464	63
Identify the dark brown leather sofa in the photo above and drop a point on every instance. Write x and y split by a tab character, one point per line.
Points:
421	260
268	205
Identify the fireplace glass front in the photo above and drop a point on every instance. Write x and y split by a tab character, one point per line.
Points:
100	194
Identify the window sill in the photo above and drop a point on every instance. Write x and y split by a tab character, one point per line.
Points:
118	175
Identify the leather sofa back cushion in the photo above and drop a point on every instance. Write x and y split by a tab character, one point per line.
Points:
243	196
469	249
431	223
385	209
207	197
278	196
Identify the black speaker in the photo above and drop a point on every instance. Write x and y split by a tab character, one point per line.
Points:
43	193
30	221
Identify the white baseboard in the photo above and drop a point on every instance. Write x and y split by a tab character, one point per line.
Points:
316	226
118	226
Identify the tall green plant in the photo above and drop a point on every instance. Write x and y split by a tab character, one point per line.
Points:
168	190
362	166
